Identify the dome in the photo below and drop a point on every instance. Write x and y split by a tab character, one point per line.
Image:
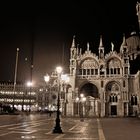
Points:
133	43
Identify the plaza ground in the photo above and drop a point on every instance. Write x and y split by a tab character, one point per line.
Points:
40	127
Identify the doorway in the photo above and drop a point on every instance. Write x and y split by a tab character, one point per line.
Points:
91	106
113	110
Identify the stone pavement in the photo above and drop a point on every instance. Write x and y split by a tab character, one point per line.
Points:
39	127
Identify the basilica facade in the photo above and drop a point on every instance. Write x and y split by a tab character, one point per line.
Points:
102	85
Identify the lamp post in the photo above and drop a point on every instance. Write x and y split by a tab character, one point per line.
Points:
81	100
57	128
47	79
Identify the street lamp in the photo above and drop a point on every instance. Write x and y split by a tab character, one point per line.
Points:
29	84
57	128
47	79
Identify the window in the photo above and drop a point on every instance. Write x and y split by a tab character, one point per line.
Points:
126	70
92	71
80	71
111	71
123	83
102	83
96	71
113	98
134	100
88	71
115	72
107	70
118	70
84	71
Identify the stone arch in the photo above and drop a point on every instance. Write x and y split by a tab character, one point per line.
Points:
88	66
93	62
112	98
114	66
114	61
109	85
87	103
89	89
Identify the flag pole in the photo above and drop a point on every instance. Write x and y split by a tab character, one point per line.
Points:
15	77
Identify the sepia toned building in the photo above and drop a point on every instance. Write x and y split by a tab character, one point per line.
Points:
101	84
23	98
105	84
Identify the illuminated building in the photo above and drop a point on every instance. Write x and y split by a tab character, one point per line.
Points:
22	98
105	79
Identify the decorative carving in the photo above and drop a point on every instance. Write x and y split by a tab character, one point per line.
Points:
114	63
112	87
89	64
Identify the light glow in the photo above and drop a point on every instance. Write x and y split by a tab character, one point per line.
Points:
81	95
47	78
29	84
59	69
65	78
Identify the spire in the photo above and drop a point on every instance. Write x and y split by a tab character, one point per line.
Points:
137	8
80	51
112	46
88	46
124	41
73	42
123	45
138	12
77	49
101	42
101	49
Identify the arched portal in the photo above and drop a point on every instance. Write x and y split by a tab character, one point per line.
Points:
112	98
89	89
88	103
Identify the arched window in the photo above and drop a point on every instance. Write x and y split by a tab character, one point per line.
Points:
110	98
134	100
107	70
92	71
113	98
116	98
89	67
84	71
96	71
113	66
123	83
80	71
111	71
88	71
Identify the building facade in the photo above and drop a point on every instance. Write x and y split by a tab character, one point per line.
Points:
23	98
103	84
104	80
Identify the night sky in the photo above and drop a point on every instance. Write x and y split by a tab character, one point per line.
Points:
49	28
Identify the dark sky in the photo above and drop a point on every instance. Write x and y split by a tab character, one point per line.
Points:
49	27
